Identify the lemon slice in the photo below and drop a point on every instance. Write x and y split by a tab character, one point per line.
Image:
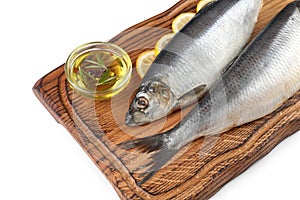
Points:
202	4
162	42
144	61
181	20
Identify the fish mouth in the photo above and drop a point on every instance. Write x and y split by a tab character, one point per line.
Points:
134	119
129	121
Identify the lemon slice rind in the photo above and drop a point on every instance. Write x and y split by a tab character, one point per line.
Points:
181	20
162	42
144	61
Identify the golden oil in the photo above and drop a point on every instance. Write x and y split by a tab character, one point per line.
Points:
99	72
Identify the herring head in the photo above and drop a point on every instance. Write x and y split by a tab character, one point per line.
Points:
153	101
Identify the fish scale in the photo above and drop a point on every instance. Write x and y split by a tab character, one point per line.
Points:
262	78
258	72
195	58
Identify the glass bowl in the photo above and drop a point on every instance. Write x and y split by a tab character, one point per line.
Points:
98	70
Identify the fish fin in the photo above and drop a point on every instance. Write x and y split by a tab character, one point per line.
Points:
191	96
144	145
160	154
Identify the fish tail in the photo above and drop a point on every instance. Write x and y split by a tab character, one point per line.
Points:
158	147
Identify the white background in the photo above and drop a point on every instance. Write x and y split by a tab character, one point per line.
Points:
38	158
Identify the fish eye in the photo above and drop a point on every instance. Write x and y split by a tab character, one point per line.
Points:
142	103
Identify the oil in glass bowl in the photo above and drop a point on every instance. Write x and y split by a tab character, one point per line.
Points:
98	70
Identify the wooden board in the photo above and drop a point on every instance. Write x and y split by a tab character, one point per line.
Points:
201	168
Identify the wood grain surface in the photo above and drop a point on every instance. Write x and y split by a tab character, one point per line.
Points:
201	168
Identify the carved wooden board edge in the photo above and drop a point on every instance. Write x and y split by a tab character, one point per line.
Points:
286	127
51	91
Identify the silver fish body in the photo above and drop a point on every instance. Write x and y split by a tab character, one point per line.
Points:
187	67
263	77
